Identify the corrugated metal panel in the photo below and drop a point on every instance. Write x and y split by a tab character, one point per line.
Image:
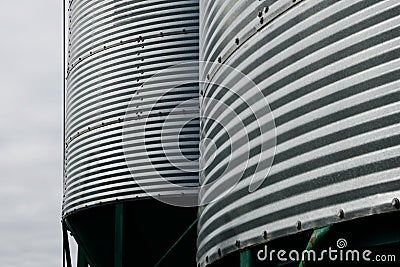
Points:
114	48
330	72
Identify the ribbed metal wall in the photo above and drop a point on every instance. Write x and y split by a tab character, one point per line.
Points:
114	47
330	72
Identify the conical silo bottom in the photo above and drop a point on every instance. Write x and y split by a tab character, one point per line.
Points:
136	233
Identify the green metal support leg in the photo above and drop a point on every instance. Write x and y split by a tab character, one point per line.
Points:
66	250
176	243
119	220
82	262
81	245
316	236
246	259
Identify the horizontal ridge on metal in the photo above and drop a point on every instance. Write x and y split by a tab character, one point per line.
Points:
330	73
116	48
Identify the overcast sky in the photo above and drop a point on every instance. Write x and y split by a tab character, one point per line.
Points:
31	132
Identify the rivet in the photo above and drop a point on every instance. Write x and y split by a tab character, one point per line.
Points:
265	235
396	203
237	243
266	9
340	214
261	20
237	41
219	252
207	259
219	59
298	225
259	14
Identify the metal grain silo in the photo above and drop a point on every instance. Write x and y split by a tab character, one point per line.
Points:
118	97
329	71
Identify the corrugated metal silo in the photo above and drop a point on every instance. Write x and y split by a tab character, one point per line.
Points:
114	50
330	72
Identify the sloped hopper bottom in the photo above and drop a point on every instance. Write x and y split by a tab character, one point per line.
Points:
142	231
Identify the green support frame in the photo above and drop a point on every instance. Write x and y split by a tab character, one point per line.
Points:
119	232
82	261
246	259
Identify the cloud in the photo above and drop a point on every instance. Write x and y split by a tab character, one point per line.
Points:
30	133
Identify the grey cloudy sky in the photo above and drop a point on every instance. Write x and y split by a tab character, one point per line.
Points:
31	133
